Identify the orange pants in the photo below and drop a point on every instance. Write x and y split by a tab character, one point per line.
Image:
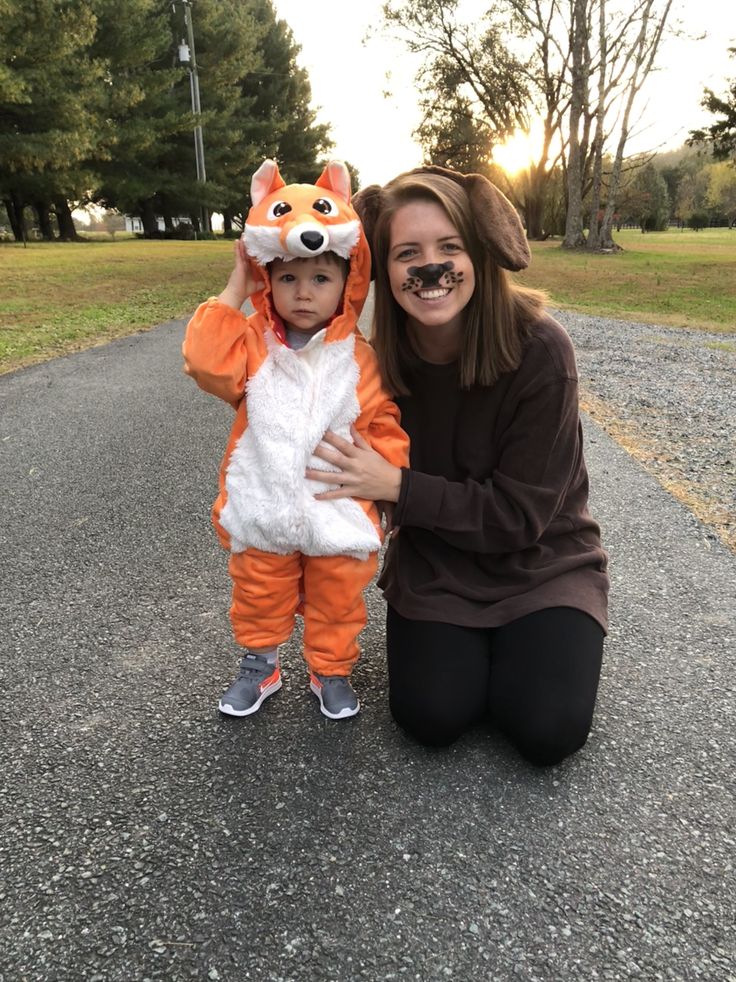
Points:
269	590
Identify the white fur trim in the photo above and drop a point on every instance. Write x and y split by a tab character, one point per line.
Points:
295	246
263	242
292	400
343	238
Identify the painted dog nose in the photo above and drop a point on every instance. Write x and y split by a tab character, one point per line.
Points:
431	273
312	240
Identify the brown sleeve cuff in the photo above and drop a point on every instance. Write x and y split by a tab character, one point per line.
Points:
420	499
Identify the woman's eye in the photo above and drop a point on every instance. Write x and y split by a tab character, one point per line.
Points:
453	247
278	209
405	254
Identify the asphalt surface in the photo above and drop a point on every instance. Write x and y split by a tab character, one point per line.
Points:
143	836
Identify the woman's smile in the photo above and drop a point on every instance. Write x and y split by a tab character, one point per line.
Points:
433	294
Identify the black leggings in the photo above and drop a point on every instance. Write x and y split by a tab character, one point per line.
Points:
535	678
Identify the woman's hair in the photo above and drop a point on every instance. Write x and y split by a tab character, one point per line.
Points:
497	316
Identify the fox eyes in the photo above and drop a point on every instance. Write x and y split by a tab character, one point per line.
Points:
325	207
278	208
322	205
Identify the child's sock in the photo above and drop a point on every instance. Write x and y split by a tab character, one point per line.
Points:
270	654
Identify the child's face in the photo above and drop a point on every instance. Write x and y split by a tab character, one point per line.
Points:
306	292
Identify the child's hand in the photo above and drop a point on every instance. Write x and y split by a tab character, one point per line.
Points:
242	282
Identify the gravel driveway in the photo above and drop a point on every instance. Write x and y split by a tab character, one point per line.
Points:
668	395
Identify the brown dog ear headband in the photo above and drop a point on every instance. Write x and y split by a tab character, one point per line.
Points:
496	221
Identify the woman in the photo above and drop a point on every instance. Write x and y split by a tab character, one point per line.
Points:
495	577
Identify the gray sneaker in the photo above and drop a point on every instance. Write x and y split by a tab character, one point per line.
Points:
336	696
258	678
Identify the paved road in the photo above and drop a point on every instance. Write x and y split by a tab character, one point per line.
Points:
144	837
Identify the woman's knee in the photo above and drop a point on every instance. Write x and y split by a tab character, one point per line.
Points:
549	739
431	725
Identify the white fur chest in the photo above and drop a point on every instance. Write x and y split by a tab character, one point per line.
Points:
293	399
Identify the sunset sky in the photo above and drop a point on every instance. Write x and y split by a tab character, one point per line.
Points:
366	90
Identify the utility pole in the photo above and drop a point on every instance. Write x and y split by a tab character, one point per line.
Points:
188	57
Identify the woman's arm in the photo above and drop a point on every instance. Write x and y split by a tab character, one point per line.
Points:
540	456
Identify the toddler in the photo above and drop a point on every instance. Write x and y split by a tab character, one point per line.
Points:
293	370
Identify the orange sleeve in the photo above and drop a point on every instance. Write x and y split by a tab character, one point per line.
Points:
379	419
215	352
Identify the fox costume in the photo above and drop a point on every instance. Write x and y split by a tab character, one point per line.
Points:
290	552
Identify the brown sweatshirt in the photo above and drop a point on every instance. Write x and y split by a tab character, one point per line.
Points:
493	516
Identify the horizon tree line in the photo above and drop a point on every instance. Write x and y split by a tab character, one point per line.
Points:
95	108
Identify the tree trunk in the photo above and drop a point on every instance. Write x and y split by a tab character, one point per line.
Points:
43	216
14	208
594	239
534	201
167	216
646	50
227	222
533	214
194	219
574	238
148	219
67	231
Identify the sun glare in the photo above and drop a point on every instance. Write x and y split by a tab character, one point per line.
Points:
520	150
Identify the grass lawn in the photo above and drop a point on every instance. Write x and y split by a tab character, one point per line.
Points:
681	279
57	298
60	297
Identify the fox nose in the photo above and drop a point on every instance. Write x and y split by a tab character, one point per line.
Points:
312	240
305	238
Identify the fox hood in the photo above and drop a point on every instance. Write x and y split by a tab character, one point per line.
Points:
298	221
286	400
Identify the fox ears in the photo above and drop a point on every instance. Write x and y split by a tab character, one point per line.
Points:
265	180
495	219
335	177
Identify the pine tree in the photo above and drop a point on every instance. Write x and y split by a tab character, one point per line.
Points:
48	108
281	123
720	135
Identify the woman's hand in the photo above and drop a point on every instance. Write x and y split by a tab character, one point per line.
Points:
243	281
362	473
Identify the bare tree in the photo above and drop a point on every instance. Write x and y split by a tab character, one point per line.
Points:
580	35
472	87
542	30
643	52
538	58
598	138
